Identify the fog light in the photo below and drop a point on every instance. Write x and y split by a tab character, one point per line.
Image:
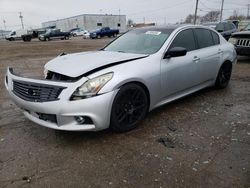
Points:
80	119
84	120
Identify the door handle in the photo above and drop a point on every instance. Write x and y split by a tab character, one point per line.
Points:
220	51
196	59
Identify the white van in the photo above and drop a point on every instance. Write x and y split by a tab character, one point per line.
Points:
16	34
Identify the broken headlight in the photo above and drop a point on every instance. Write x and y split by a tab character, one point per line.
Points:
91	87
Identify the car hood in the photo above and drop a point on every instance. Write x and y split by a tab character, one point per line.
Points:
241	34
74	65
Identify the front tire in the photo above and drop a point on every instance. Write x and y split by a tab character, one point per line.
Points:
130	106
224	76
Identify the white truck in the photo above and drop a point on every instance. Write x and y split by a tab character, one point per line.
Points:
16	34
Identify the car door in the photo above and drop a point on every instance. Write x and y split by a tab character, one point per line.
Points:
180	73
209	54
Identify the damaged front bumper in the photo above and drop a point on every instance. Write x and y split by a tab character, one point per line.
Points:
48	103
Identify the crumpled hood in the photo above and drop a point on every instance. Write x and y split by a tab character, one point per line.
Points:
74	65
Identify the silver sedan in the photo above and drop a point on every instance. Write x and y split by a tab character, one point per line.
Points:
118	85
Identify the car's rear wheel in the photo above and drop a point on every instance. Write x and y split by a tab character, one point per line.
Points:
224	76
129	107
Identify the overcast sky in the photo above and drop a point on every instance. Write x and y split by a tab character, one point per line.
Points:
37	11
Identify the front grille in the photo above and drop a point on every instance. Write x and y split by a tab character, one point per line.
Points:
243	42
35	92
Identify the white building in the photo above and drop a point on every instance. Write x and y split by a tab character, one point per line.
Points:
89	22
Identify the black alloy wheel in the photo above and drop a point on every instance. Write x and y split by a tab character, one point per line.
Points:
224	76
130	106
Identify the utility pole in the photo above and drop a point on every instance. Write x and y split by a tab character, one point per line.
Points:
248	10
196	9
221	10
119	15
4	24
21	17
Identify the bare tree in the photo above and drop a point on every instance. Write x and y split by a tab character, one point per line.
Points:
211	16
236	16
190	19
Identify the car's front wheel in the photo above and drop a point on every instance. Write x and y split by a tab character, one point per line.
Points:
129	107
224	76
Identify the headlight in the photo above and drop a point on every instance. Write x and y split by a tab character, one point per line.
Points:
233	40
45	73
91	87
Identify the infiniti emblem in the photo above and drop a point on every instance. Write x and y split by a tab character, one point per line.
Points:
31	92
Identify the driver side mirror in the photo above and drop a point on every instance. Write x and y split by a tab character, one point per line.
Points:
175	52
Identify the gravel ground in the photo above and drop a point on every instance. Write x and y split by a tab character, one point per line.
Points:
202	140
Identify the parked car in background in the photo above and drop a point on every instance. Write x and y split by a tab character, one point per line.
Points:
104	32
32	34
86	34
79	32
16	34
241	41
118	85
54	34
225	28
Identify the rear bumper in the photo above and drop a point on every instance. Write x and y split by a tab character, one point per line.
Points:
97	108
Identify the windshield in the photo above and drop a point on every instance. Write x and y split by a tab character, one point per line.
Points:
48	31
140	41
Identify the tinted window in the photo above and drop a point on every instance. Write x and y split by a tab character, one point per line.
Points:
184	39
233	26
227	26
204	38
216	38
219	27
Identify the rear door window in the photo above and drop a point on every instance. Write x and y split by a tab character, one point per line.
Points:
204	38
185	39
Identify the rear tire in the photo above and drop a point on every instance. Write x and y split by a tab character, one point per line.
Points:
129	107
224	76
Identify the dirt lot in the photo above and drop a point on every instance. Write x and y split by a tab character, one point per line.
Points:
202	140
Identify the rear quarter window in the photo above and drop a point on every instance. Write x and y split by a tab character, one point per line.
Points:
216	38
204	38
